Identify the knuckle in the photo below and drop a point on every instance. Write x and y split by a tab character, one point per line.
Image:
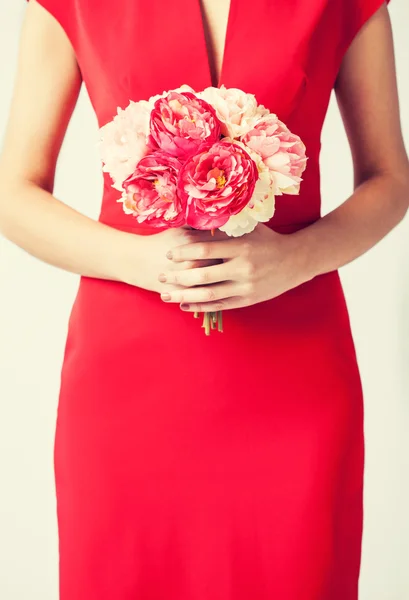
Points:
204	276
202	251
219	306
210	295
249	289
246	249
249	270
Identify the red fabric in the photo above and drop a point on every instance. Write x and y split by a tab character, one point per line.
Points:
229	467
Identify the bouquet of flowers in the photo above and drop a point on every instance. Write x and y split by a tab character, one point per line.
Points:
213	159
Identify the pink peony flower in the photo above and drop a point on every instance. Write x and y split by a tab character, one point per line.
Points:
282	152
217	183
237	111
181	123
182	88
151	193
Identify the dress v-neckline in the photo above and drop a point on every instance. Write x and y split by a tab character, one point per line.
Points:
203	41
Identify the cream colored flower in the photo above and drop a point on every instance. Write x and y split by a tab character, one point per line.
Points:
261	207
123	141
237	111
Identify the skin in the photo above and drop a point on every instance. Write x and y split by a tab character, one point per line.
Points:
193	269
264	264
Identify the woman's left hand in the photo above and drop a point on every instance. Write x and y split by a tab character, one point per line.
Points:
253	268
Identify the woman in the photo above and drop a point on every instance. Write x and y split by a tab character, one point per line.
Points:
228	467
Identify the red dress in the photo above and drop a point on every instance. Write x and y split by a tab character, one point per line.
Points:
229	467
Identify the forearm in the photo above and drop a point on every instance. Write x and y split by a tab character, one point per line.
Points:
57	234
350	230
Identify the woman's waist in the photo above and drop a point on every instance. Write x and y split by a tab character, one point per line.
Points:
110	308
113	322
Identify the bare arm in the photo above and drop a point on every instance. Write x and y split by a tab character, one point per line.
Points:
46	90
264	264
367	96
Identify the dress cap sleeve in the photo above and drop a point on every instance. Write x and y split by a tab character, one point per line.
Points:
358	13
351	16
56	8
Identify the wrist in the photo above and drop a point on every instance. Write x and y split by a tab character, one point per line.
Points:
303	264
126	254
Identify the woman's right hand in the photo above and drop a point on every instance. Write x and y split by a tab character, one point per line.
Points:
145	256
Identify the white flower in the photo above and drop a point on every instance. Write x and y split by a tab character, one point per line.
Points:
261	207
284	184
237	111
123	141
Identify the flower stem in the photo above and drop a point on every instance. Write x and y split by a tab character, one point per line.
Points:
206	323
211	320
220	321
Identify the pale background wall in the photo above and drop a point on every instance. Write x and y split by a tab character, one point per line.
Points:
35	300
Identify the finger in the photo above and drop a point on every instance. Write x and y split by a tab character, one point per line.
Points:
201	294
224	304
199	276
208	236
204	251
193	264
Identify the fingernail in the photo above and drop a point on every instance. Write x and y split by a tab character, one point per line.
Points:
165	297
162	278
169	255
185	306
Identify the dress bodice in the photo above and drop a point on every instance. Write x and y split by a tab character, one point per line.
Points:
286	52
